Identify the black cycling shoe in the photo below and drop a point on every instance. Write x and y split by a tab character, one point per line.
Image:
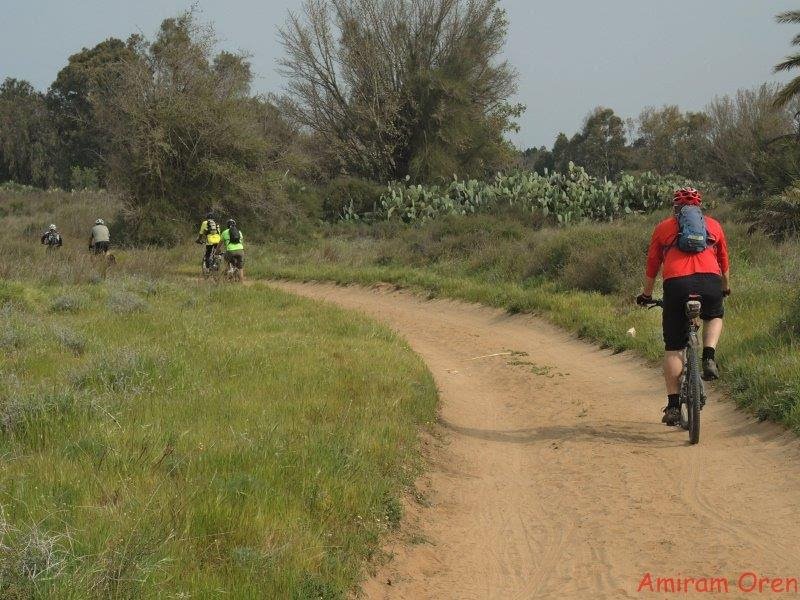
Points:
710	370
672	416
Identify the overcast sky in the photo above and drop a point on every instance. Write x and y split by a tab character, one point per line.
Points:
572	55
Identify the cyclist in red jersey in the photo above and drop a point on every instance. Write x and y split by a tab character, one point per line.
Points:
703	273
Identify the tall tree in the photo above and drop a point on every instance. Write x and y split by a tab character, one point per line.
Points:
562	153
82	90
184	132
791	89
601	145
403	87
670	141
28	140
538	160
743	130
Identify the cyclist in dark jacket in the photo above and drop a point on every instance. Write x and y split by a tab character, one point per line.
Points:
51	238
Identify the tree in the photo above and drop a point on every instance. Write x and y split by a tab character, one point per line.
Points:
397	87
601	145
672	142
28	140
792	89
744	131
185	135
80	92
538	160
562	153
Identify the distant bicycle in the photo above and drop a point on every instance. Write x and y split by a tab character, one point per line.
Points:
692	391
214	264
233	272
52	239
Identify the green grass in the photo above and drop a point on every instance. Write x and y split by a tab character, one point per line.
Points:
583	278
182	440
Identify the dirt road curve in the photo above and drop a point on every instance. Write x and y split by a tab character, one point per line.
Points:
554	478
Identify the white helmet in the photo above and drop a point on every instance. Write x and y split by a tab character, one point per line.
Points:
52	227
99	222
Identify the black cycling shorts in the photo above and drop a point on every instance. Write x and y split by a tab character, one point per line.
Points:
235	258
676	293
100	247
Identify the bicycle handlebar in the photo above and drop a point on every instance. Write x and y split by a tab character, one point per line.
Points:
654	303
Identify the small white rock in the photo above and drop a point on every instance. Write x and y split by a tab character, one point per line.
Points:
632	332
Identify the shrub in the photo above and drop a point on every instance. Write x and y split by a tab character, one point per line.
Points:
67	303
306	196
610	261
83	178
71	340
790	323
127	372
149	225
349	198
12	187
12	337
779	216
563	198
22	413
28	556
122	302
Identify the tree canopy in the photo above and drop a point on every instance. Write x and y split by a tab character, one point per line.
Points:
402	87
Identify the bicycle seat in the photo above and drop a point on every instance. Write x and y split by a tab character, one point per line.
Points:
693	307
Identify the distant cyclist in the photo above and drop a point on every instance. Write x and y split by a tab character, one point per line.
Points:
233	240
693	251
210	236
52	238
100	238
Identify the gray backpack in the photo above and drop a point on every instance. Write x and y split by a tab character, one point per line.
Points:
692	230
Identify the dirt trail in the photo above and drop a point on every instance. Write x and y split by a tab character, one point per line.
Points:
555	478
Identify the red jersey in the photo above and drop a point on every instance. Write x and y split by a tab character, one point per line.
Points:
678	263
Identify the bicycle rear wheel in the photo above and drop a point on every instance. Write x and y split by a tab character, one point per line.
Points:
694	395
685	409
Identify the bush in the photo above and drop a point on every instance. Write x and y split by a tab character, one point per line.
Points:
150	225
608	262
12	187
305	196
122	303
349	197
779	217
71	340
560	198
83	178
67	303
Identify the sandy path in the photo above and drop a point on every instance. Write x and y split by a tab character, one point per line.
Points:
555	478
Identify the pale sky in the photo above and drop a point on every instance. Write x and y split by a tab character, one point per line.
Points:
572	55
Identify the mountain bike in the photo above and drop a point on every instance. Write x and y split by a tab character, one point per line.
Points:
692	391
233	272
214	262
52	242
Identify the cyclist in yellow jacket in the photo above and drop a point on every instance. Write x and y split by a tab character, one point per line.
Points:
210	235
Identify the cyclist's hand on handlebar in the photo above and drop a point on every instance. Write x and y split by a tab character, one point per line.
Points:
644	299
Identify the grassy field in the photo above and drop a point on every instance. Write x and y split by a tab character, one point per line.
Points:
583	278
169	438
